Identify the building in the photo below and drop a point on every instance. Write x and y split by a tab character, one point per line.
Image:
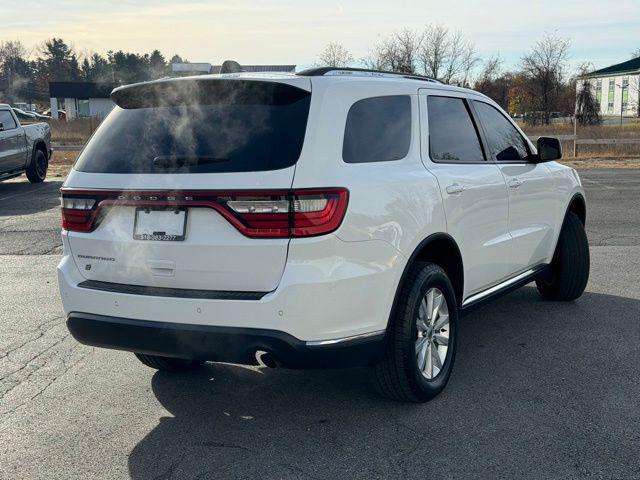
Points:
188	68
80	99
617	88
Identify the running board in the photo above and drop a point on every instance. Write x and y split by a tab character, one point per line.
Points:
503	288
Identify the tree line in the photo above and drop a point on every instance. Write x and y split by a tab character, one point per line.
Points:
25	76
538	87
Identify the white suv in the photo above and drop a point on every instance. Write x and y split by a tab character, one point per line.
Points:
320	219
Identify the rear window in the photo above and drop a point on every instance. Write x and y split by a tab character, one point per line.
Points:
201	126
378	129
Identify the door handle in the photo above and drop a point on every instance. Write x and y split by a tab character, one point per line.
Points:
454	189
515	183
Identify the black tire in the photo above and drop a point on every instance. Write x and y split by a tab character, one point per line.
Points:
37	168
168	364
398	376
570	265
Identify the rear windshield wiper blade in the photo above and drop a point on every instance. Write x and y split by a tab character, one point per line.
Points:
168	161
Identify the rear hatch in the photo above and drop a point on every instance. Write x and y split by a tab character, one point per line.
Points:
185	184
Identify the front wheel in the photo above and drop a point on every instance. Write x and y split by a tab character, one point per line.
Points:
168	364
422	337
570	265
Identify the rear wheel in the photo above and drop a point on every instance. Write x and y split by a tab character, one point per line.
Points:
570	265
37	168
168	364
422	337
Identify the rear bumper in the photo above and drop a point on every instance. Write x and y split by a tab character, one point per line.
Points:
222	344
329	290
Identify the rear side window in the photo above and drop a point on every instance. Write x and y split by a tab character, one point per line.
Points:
505	142
378	130
453	137
205	126
7	121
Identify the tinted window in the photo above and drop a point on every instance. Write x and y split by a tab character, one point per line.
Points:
452	134
505	142
214	126
378	130
7	121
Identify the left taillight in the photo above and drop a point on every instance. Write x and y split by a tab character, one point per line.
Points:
77	213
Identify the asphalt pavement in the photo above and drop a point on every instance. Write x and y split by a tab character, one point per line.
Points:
539	389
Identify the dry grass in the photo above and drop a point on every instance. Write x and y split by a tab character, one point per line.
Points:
73	132
595	152
61	163
597	162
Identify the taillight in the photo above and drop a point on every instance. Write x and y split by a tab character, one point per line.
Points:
316	212
256	214
78	214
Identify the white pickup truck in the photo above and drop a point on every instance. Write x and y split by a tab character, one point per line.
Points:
23	149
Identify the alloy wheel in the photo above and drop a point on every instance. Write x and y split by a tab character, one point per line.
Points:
433	329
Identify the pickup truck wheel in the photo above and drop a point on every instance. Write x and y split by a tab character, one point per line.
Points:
37	169
168	364
422	337
570	265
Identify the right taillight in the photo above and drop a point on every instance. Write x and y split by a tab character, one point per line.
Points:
296	213
316	212
256	214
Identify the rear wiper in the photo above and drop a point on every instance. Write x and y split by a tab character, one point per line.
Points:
168	161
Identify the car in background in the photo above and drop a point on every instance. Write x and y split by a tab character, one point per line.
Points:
62	115
23	115
23	148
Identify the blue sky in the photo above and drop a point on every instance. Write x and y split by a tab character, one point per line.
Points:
284	31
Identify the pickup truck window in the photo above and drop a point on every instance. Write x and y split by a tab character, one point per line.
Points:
7	121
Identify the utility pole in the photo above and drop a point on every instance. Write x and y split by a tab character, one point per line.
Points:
621	101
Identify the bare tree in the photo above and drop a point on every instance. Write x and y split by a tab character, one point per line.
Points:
435	50
491	69
544	68
408	45
496	84
456	46
468	63
384	55
635	53
335	55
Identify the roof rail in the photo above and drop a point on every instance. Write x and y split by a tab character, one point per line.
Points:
337	71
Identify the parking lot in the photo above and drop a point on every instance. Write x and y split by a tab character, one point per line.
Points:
539	389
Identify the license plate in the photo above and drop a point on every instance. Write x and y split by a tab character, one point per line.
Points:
160	225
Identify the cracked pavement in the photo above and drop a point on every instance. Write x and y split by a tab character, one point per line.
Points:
540	389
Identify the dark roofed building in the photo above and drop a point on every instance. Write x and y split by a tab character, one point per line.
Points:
80	99
617	88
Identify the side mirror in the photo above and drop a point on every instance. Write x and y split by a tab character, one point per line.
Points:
1	126
549	149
